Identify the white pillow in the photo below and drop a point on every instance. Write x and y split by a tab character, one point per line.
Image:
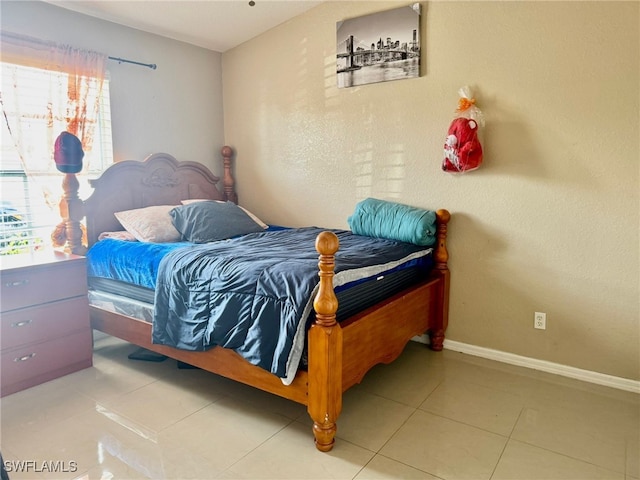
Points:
251	215
150	224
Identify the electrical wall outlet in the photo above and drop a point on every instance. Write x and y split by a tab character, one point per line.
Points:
540	320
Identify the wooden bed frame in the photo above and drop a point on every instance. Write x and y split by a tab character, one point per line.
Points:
339	354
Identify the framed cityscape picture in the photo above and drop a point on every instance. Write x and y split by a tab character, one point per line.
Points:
378	47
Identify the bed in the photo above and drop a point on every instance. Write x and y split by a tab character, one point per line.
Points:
337	353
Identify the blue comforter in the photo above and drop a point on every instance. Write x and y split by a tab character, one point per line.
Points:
254	293
136	263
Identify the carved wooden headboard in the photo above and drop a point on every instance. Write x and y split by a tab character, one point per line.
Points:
158	180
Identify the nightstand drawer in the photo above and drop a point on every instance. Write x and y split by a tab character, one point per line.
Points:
43	322
30	286
33	364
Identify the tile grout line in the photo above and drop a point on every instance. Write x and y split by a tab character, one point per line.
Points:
509	438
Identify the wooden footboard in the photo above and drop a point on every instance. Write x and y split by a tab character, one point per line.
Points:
340	354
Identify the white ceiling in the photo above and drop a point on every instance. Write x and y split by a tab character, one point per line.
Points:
213	24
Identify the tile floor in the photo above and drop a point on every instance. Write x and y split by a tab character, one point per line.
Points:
426	416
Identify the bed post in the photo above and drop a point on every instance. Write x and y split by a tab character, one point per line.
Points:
436	335
68	233
325	350
229	191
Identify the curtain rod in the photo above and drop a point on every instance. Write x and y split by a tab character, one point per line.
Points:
32	41
152	66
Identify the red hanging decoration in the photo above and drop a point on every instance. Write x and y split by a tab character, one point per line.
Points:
462	149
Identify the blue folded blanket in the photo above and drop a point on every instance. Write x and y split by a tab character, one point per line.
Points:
394	221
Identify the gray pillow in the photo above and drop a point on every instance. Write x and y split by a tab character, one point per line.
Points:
208	221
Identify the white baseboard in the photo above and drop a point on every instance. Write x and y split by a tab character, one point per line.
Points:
542	365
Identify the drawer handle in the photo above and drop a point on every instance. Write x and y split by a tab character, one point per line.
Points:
23	323
24	358
18	283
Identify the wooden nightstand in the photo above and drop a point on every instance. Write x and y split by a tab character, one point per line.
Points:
44	319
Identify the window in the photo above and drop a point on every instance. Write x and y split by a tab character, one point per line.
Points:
29	200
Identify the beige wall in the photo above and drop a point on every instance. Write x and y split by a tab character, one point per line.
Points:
175	109
549	223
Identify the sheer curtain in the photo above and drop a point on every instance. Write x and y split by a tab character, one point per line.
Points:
48	88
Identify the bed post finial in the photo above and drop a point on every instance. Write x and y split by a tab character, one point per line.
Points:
325	350
442	255
229	190
326	303
68	155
